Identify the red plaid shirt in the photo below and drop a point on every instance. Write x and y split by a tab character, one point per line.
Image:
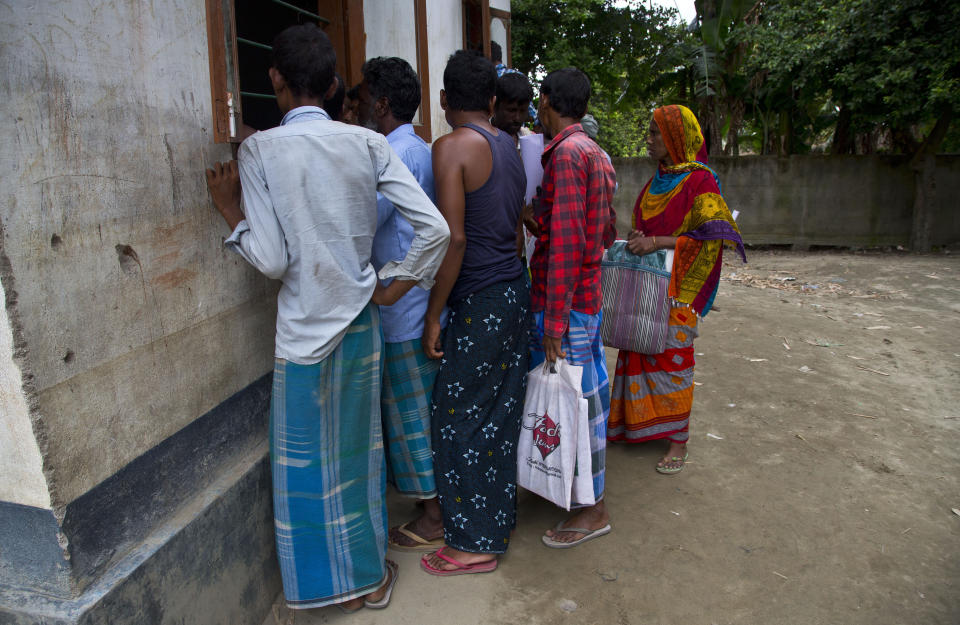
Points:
577	222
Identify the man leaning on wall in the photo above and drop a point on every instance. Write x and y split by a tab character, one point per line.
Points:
309	195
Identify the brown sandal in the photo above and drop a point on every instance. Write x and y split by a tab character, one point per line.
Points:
422	544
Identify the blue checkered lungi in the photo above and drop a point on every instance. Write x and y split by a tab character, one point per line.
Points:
583	347
408	377
326	454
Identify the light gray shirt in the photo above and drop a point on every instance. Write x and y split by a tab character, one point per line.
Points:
310	201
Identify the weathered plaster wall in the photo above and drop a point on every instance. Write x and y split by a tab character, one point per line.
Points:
391	29
135	320
20	462
817	200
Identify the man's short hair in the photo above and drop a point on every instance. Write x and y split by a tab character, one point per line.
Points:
496	52
514	87
305	58
354	93
469	80
393	78
568	90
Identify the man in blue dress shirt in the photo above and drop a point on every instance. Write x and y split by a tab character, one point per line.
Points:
388	99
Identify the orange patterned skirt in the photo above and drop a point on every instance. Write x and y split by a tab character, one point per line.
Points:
653	393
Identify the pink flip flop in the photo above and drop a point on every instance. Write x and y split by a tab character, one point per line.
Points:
462	569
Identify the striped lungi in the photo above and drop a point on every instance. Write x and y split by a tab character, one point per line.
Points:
408	377
326	453
653	393
583	347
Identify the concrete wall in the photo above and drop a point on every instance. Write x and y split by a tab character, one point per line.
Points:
125	320
817	200
134	318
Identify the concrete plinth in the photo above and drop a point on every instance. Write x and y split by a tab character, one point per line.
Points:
212	563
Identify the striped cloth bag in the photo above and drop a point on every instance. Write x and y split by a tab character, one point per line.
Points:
636	306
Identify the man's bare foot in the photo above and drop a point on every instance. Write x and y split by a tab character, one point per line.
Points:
592	518
379	593
353	605
464	557
428	526
675	458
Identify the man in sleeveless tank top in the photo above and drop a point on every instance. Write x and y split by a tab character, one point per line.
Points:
575	221
479	392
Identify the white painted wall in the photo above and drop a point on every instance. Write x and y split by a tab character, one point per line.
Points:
445	35
391	29
389	25
20	462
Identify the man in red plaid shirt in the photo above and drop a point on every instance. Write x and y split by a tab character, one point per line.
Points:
574	223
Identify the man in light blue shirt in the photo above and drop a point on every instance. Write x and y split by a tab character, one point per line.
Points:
309	190
388	99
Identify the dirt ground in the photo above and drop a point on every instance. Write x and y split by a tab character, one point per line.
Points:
824	467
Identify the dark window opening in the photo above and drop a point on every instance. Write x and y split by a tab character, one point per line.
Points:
258	22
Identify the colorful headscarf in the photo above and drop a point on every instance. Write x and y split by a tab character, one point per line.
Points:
683	200
681	135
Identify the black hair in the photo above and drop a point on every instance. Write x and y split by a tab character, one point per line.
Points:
354	92
514	87
334	106
496	52
469	80
305	58
393	78
568	90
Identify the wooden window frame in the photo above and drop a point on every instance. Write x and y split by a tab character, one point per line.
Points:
345	29
221	40
423	129
484	23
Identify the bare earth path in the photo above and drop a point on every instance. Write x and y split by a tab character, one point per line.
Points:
824	464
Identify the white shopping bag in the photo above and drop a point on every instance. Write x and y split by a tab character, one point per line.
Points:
547	449
582	492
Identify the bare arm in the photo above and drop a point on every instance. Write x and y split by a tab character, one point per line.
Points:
640	244
449	186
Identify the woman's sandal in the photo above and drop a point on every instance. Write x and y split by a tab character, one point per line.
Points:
671	470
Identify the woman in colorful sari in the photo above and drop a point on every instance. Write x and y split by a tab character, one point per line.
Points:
681	209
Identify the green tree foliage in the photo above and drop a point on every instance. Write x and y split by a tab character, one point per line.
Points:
883	71
887	71
626	48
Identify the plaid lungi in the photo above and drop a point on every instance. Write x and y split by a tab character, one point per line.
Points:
408	377
583	347
326	454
